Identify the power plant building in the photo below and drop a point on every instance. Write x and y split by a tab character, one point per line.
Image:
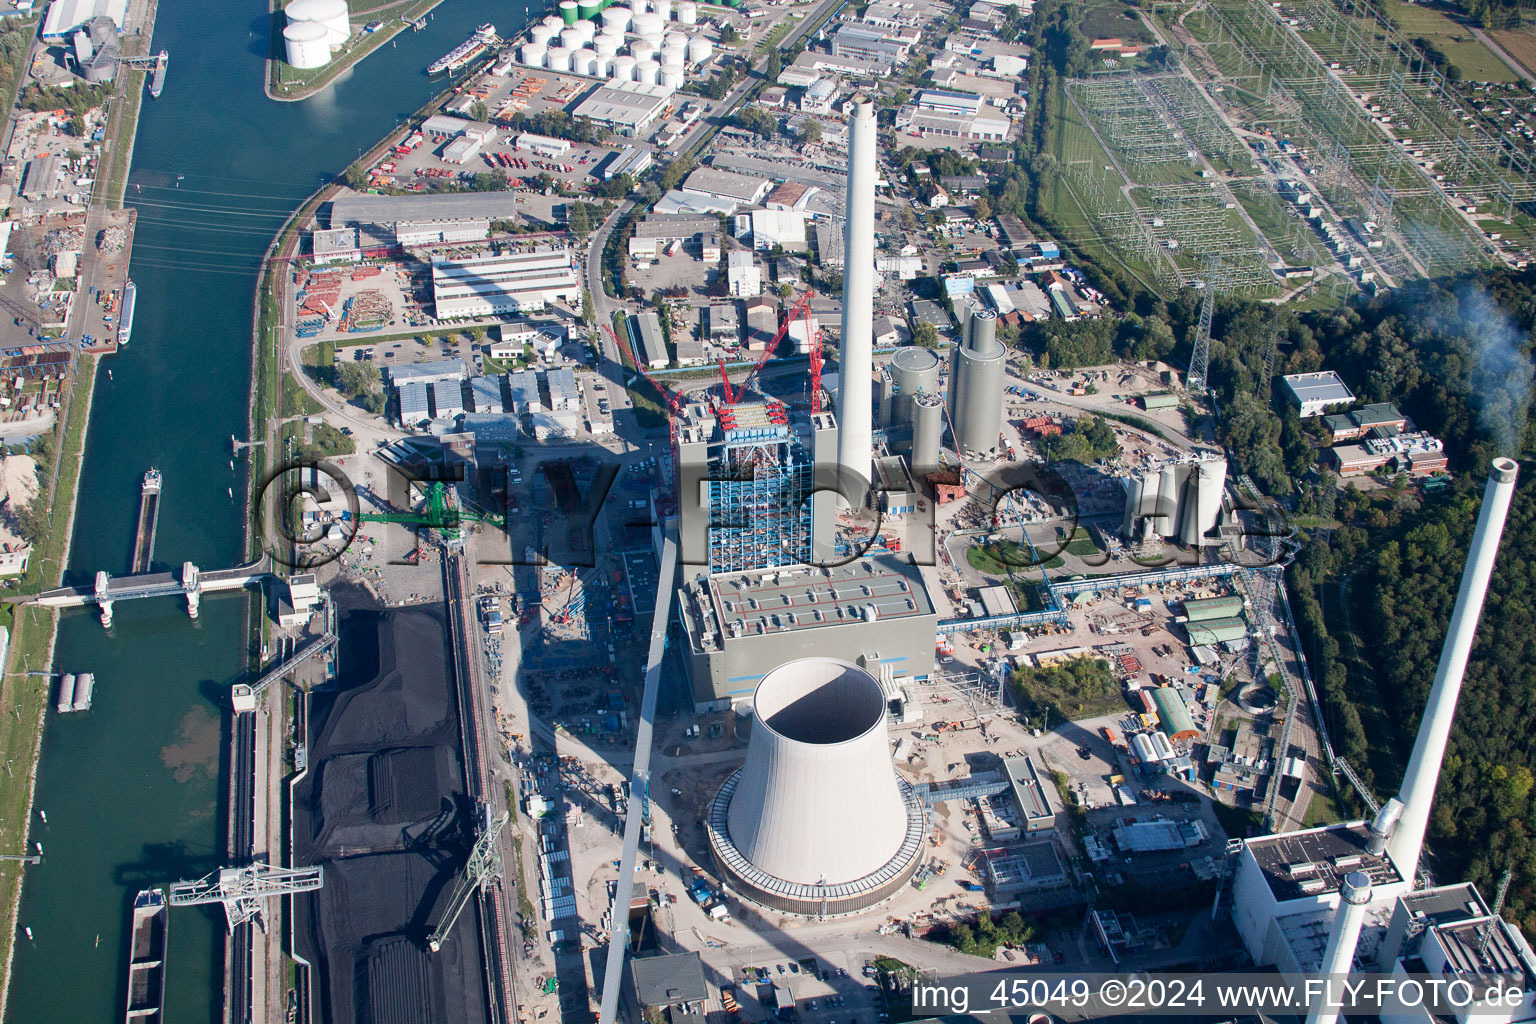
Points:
875	611
748	488
512	282
817	822
64	16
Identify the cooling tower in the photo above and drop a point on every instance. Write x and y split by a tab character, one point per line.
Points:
914	371
1423	773
855	389
976	384
817	822
927	432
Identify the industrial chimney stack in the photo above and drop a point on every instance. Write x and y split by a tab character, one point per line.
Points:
1423	773
1339	957
855	392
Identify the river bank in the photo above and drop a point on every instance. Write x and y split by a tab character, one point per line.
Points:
398	18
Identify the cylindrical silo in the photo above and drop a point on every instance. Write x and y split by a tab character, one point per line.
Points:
642	49
674	54
927	412
639	7
1170	489
817	822
587	30
649	24
570	38
569	12
688	12
648	72
587	9
558	59
553	21
617	18
700	50
532	54
335	18
663	8
584	62
85	683
623	69
976	382
605	46
1135	488
1213	484
67	687
601	65
672	76
305	45
674	38
913	371
542	34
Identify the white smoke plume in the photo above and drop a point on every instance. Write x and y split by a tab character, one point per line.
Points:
1502	372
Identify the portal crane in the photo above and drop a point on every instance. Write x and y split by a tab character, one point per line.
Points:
440	514
483	866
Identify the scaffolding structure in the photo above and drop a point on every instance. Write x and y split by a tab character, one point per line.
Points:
760	483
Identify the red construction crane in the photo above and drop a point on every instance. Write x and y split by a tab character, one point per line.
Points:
800	308
673	399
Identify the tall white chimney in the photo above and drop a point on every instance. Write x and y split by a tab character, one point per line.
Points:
855	393
1339	957
1423	774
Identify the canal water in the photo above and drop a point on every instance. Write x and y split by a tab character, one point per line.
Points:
133	789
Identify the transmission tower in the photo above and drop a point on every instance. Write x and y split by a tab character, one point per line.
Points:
483	866
242	890
1200	358
1270	346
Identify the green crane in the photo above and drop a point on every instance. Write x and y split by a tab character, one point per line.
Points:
440	514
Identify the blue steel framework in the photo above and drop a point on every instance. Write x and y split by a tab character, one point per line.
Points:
761	479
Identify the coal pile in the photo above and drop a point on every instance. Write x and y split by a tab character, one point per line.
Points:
383	808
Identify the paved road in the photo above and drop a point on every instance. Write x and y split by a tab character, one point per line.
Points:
1501	53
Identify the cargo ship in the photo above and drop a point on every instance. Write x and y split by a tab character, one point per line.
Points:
125	316
460	55
146	959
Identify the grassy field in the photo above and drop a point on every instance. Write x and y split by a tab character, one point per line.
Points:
1476	62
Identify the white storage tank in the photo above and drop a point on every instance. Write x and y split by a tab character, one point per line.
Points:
558	59
688	12
306	44
642	49
623	69
664	8
672	76
329	14
677	54
586	30
700	50
602	65
648	72
533	54
570	38
616	18
542	34
584	62
673	38
553	21
606	46
649	24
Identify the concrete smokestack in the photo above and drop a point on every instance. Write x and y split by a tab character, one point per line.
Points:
1435	730
855	394
1354	897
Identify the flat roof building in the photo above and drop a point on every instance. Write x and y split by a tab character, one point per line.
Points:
1314	393
726	186
670	982
447	399
1030	793
628	108
512	282
64	16
422	220
875	612
647	341
428	372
